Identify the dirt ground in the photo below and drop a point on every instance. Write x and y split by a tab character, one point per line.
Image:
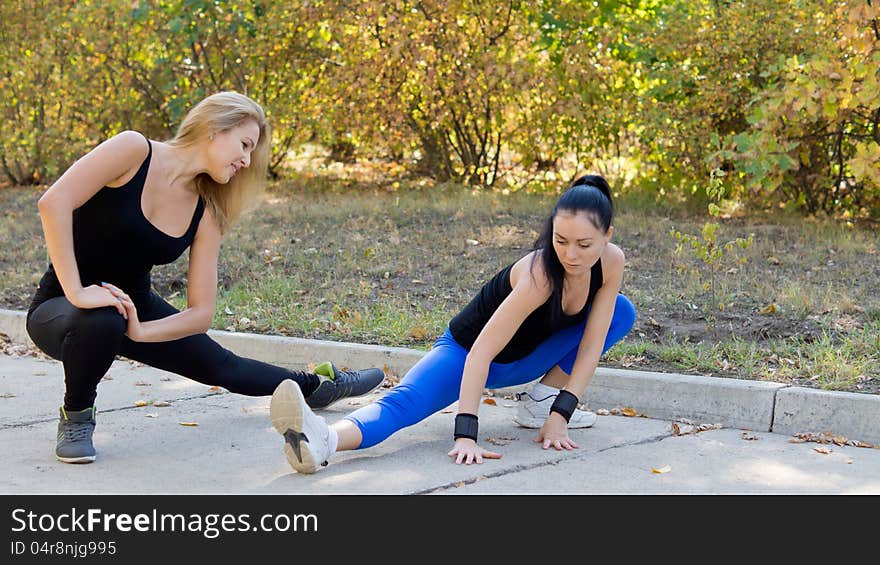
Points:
803	281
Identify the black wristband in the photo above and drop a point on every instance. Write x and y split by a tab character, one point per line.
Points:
466	426
565	404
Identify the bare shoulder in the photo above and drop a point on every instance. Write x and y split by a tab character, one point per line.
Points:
529	271
128	143
126	150
613	260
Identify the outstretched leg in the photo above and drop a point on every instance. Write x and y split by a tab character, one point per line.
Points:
202	359
430	385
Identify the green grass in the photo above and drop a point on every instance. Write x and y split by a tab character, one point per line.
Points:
848	363
345	260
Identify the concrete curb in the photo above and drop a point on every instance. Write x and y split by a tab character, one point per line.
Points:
735	403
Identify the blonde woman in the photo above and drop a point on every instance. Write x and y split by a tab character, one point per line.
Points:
132	203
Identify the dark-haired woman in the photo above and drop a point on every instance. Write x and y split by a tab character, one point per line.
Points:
551	314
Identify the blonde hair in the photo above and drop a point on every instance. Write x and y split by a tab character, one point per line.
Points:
216	113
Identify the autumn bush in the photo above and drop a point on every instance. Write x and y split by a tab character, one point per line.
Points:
782	96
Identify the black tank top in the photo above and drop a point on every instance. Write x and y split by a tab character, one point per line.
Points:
114	242
537	327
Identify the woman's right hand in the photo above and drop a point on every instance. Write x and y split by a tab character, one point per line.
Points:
94	296
467	451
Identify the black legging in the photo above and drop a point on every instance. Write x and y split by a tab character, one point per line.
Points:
88	340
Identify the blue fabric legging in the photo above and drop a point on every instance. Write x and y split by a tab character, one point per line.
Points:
433	383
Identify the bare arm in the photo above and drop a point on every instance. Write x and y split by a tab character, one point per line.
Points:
554	431
108	162
527	295
201	292
593	340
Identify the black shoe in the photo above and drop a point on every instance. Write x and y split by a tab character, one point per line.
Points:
336	385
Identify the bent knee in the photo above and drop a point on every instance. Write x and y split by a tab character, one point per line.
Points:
624	313
98	323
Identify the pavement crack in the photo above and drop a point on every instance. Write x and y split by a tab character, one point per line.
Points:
773	408
28	423
537	465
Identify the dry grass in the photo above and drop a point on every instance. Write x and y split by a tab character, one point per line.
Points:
391	261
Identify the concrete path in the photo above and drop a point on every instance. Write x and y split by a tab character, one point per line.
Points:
234	449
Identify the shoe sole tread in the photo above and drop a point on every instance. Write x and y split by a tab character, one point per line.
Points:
286	411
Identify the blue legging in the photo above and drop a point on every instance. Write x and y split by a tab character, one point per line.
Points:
433	383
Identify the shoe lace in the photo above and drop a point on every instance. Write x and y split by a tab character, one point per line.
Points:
345	381
75	431
521	396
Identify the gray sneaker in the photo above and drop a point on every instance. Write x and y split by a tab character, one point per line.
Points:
75	431
336	385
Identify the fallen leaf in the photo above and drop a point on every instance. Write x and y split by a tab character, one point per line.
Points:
39	373
682	429
161	403
822	450
165	379
490	401
190	424
769	309
663	469
215	388
151	415
629	412
459	484
849	461
685	427
603	412
773	260
748	436
142	383
828	437
418	332
140	403
107	377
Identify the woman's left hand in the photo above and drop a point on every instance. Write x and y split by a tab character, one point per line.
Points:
554	433
134	329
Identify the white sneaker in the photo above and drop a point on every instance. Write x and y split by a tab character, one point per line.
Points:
533	413
306	436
